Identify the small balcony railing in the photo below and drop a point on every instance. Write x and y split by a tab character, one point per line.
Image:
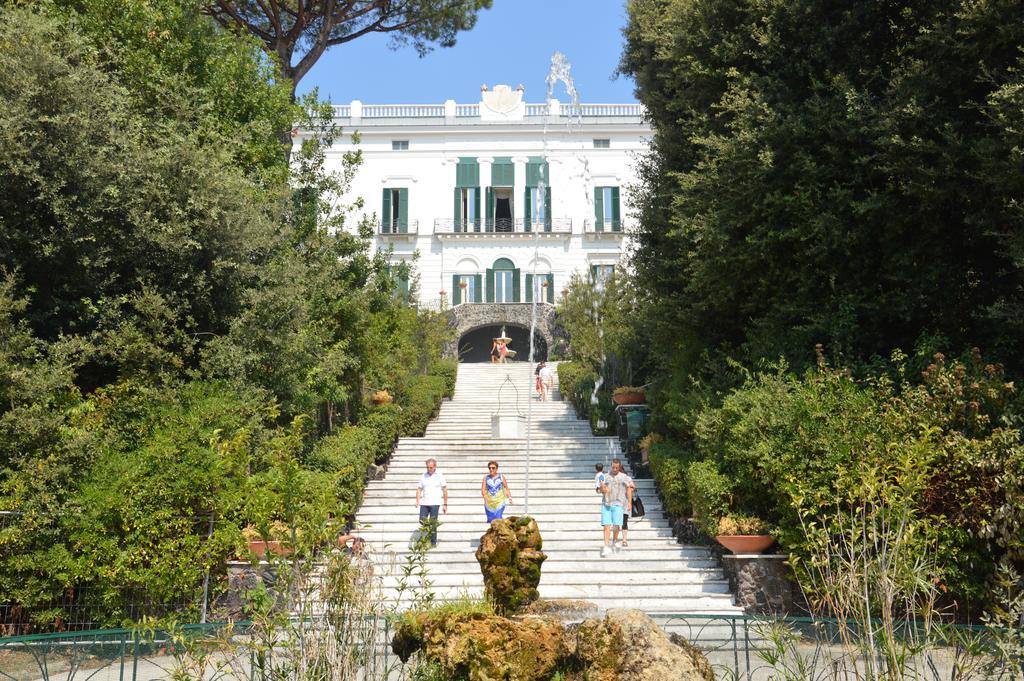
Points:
593	226
502	226
398	227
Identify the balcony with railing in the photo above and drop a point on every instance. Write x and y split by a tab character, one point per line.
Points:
594	228
398	228
502	226
452	113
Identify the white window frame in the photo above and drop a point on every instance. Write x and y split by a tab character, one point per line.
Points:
399	145
539	293
602	143
468	294
503	287
607	207
468	201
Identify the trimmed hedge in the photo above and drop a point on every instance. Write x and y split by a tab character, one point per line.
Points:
708	491
420	402
349	451
384	421
448	370
669	464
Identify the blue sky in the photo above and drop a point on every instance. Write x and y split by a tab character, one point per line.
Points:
511	43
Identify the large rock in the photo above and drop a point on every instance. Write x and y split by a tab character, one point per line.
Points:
510	557
624	645
627	645
482	647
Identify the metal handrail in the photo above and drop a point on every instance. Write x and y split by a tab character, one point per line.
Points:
399	228
591	226
502	226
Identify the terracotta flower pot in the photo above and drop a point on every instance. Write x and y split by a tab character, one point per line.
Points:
745	543
262	548
628	398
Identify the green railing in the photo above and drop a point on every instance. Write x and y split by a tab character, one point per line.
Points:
738	647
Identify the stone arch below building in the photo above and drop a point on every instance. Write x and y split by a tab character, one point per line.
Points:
473	322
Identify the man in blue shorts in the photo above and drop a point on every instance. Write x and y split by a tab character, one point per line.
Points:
617	502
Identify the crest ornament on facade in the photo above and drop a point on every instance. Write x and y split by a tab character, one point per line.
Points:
502	103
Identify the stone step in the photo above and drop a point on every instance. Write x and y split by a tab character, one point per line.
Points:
539	510
582	541
470	481
403	534
572	443
474	517
667	602
624	563
541	490
593	585
557	549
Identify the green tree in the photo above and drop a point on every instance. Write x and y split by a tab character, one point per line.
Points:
297	32
115	225
847	174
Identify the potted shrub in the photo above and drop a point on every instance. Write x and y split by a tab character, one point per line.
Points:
380	397
743	534
628	395
272	541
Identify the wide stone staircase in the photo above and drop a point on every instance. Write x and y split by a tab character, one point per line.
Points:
654	573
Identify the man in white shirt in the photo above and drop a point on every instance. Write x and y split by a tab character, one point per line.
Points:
547	381
431	495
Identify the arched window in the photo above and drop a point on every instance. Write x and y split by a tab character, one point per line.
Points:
503	282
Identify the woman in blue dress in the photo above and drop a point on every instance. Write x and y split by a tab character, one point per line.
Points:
494	489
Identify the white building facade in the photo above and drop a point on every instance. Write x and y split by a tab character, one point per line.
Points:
498	203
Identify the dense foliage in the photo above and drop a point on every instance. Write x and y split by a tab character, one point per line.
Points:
835	173
190	328
606	345
841	181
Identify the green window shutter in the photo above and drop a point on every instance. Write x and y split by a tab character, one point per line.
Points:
457	211
529	287
403	288
490	285
385	212
467	173
503	172
551	288
536	171
489	215
515	286
547	209
403	211
478	285
616	225
598	209
456	290
526	208
593	273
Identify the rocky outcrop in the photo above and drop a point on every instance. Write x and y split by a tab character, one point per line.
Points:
627	645
484	647
624	645
510	557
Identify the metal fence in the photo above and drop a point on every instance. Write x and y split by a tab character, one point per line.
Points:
738	647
